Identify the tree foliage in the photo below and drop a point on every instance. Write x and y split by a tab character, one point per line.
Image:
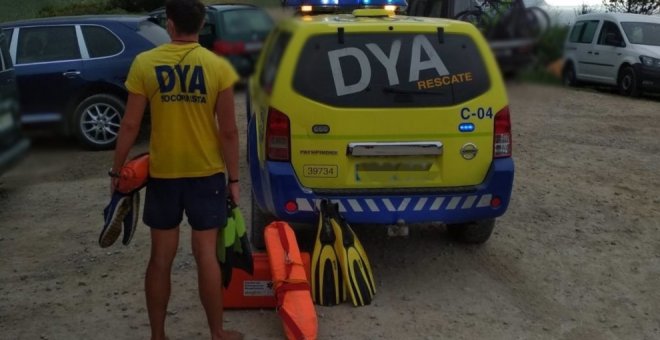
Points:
100	7
633	6
137	5
584	9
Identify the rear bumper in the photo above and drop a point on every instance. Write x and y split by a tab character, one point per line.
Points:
243	64
11	155
280	187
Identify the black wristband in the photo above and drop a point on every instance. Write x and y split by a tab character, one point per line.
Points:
113	174
233	181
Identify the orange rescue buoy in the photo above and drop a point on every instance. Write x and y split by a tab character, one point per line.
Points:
292	290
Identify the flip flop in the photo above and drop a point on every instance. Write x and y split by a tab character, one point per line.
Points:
113	216
132	217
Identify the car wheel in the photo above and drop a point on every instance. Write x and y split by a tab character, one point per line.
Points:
476	232
97	119
259	222
568	75
628	82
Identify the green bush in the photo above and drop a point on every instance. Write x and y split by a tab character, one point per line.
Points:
551	45
100	7
137	5
80	8
549	49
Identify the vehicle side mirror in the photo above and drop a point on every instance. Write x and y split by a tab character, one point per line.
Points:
206	29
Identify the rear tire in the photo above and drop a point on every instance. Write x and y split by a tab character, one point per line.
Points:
476	232
628	82
96	121
568	75
259	222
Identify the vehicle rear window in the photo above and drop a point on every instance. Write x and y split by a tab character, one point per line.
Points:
583	31
101	42
643	33
392	70
48	43
273	54
242	24
154	33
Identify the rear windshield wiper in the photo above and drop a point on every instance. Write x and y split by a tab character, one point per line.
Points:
390	89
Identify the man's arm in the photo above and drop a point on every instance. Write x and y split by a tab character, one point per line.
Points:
129	129
226	115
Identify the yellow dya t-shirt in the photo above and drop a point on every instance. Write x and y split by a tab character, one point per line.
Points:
182	84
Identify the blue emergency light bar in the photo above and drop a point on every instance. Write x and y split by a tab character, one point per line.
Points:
345	4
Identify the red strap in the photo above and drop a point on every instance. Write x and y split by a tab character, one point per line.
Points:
285	244
283	238
287	287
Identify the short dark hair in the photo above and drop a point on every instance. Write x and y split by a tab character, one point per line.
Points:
187	15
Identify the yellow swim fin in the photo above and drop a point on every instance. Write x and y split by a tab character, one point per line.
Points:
353	261
327	280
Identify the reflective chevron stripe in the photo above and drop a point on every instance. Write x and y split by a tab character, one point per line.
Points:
417	204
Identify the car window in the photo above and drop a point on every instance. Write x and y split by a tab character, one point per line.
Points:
611	29
242	24
5	58
2	56
391	70
101	42
154	33
643	33
44	44
161	19
577	31
8	35
273	55
584	31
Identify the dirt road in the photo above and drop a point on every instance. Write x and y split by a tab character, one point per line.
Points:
577	256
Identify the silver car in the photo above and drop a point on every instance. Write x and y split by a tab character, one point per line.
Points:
618	49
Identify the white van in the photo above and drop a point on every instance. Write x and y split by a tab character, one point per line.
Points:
617	49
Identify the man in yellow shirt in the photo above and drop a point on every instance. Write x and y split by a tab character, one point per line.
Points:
193	153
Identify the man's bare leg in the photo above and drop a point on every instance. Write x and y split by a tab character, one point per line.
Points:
157	284
209	279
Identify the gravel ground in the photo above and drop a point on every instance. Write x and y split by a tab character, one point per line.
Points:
577	256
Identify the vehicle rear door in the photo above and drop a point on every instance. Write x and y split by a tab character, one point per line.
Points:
583	34
48	70
395	110
103	57
608	53
8	97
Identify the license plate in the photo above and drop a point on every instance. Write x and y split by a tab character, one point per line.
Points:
6	121
253	46
323	171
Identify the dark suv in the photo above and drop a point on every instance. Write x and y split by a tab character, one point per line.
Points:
234	31
12	143
71	70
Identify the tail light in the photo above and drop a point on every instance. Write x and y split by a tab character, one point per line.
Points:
502	140
278	140
228	47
